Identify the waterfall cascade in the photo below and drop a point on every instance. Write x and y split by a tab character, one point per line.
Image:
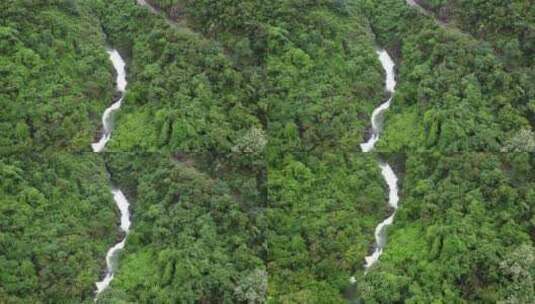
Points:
118	196
387	172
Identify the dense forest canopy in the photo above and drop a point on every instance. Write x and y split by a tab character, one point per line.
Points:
309	56
464	235
507	25
56	215
322	215
237	147
184	94
55	77
456	93
199	233
304	74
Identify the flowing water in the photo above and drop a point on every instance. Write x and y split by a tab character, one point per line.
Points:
107	117
118	196
111	256
377	115
387	172
376	121
393	199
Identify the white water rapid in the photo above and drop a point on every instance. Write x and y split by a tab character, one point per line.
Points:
111	256
387	172
393	199
377	115
118	196
107	119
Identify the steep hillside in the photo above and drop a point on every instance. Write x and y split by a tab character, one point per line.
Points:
55	77
56	221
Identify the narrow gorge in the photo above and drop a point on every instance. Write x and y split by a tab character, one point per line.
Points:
118	196
255	152
387	172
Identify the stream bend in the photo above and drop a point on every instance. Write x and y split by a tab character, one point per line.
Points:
118	196
107	118
386	171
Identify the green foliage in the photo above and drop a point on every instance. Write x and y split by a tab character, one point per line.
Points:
508	25
248	186
56	215
295	76
322	216
183	92
524	141
462	235
253	141
197	235
466	96
55	77
519	275
252	288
